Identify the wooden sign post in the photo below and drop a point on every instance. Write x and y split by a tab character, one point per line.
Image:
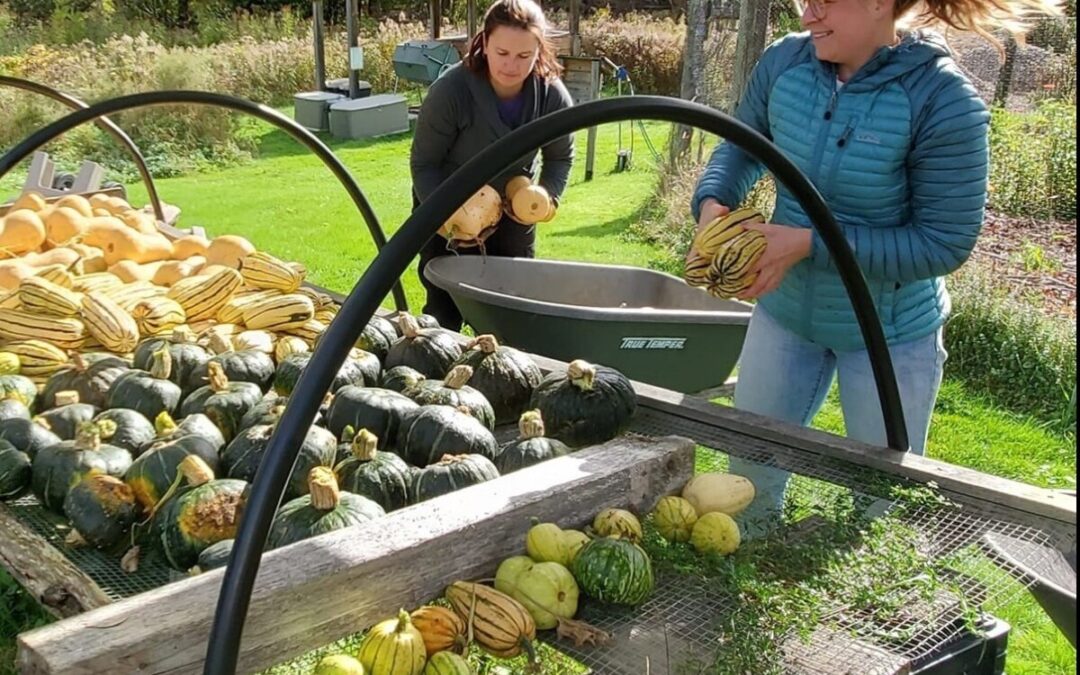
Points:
582	77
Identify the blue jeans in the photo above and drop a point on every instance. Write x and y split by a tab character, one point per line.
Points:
787	377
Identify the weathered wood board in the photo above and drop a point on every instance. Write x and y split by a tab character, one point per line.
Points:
321	589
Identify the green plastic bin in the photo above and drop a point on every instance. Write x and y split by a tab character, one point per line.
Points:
649	325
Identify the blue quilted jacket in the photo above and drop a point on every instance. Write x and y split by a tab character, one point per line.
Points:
900	154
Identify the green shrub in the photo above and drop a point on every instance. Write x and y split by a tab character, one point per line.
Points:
1033	161
650	48
1009	350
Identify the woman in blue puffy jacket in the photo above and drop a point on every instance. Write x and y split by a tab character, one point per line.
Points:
894	137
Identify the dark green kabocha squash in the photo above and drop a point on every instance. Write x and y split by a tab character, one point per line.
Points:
22	387
377	337
382	477
324	509
506	376
531	446
242	456
204	511
13	408
225	402
586	405
431	351
64	420
422	321
451	473
102	509
27	436
454	392
249	365
268	410
157	468
401	379
58	467
149	393
359	369
15	471
90	375
185	352
380	411
196	430
431	431
133	431
215	555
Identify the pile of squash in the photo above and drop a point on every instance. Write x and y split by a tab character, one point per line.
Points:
131	402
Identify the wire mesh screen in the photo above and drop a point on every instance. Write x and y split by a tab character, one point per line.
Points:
102	568
913	580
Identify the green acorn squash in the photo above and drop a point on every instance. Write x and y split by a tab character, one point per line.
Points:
186	355
22	387
132	432
323	509
153	472
90	375
13	408
102	509
586	405
380	411
193	430
430	351
531	446
27	436
454	392
65	419
248	365
401	379
377	337
215	555
382	477
359	369
431	431
506	376
58	467
15	471
223	401
148	393
243	455
205	511
452	472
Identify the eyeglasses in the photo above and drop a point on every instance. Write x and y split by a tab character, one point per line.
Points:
818	8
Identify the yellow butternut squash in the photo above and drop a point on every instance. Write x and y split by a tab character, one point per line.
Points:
21	231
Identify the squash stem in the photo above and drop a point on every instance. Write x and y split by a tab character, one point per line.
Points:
323	488
365	445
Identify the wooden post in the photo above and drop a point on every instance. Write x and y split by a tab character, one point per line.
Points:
1004	80
693	71
470	20
753	25
582	78
321	589
575	27
319	39
435	19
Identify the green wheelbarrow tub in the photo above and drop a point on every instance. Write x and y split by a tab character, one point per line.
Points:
651	326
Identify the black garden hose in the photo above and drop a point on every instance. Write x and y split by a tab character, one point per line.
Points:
106	125
98	110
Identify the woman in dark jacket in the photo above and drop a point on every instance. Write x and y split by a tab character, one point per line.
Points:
509	77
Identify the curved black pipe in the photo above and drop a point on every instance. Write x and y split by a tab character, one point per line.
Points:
330	353
105	124
51	131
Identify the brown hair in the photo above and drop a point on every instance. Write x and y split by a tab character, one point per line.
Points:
977	16
523	14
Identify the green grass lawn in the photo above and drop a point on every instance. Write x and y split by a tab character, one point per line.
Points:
288	203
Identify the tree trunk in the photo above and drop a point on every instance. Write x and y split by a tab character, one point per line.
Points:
753	26
693	70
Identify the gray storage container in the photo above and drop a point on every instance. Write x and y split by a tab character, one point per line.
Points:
312	109
377	115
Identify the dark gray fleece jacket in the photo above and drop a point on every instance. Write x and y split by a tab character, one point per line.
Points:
460	117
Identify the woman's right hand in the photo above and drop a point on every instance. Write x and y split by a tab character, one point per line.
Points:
710	211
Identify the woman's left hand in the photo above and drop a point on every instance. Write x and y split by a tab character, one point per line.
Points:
785	246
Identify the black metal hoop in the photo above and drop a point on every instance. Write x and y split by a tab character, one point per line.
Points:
358	308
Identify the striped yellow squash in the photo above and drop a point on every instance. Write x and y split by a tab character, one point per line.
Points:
309	331
202	296
282	312
58	274
64	332
233	310
37	358
98	281
10	300
156	316
128	294
40	295
111	325
262	270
